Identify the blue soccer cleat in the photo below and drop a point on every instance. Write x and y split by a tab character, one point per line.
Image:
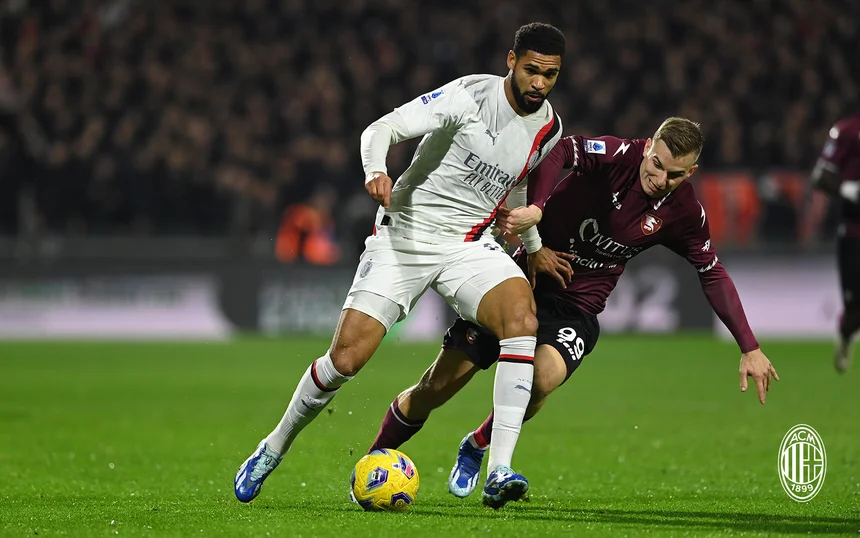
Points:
467	469
503	486
254	471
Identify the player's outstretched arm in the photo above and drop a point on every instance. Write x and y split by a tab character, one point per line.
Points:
694	244
756	365
723	297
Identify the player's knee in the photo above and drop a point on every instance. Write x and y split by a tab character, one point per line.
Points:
520	322
348	359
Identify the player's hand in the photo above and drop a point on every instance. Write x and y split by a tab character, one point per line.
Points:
516	221
378	185
552	263
754	364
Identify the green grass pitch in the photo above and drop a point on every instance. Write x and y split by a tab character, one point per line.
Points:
651	436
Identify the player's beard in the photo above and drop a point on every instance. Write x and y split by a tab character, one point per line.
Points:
522	102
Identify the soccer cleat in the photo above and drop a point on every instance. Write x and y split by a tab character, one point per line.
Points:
503	486
467	469
254	471
842	357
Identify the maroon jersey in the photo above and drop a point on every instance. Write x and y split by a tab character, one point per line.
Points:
841	155
600	214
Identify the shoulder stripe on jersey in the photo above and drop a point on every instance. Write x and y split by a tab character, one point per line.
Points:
556	127
541	139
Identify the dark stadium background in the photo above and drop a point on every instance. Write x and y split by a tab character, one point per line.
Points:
182	208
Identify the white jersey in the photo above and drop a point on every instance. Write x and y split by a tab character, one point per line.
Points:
475	150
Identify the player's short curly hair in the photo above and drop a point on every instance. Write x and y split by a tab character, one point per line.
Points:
539	37
681	136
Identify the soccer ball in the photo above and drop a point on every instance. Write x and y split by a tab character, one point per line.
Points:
385	480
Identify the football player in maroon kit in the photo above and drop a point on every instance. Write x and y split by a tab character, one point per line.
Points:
621	197
837	173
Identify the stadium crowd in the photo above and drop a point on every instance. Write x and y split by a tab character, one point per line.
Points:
213	117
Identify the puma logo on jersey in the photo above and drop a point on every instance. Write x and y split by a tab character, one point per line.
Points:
493	138
615	201
650	224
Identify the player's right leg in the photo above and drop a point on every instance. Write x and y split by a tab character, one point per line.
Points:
355	340
391	276
849	276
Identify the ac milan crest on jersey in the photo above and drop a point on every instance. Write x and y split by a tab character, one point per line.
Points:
650	224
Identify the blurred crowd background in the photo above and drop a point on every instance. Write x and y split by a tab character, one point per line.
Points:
242	117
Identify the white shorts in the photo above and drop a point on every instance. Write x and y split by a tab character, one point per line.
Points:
393	273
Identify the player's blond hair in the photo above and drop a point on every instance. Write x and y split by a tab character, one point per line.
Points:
681	136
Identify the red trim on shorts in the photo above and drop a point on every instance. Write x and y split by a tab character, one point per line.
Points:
479	229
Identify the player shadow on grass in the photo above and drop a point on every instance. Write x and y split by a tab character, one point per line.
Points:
678	519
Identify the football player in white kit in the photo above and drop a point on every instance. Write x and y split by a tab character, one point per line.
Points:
482	134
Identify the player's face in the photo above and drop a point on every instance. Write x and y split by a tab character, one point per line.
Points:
660	172
532	77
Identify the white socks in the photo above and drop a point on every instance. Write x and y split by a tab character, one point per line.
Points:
316	389
512	391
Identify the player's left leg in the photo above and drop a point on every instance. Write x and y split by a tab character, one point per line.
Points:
486	287
550	373
508	311
849	275
566	335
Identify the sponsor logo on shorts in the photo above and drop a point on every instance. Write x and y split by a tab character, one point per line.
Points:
802	463
365	269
